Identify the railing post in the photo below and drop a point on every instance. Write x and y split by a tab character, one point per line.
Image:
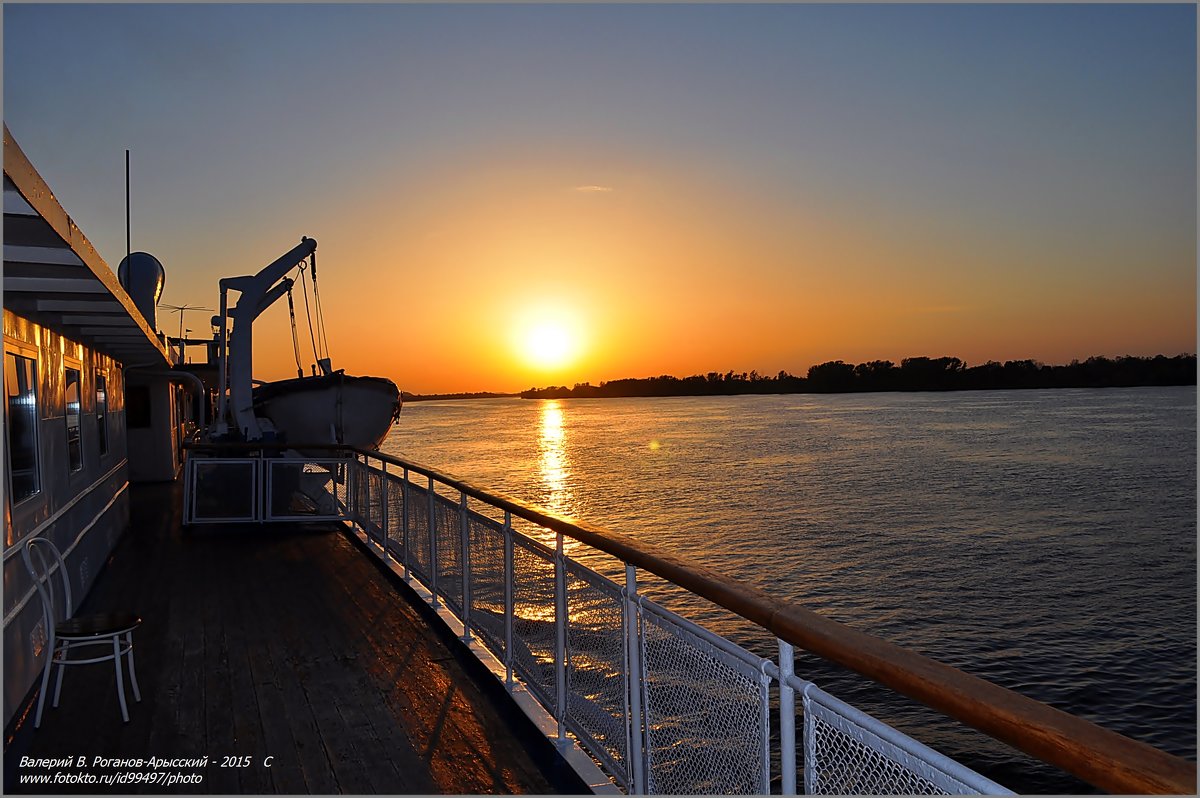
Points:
787	718
633	666
352	489
560	637
404	522
383	511
260	485
360	491
361	486
809	738
464	528
370	510
508	601
370	520
433	569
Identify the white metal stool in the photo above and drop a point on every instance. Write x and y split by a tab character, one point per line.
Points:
67	632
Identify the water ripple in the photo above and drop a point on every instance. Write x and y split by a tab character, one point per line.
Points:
1045	540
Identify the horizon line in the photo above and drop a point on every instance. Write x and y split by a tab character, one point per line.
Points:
965	365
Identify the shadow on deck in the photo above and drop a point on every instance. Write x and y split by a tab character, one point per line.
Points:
281	641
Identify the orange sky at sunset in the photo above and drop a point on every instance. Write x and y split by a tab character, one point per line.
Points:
677	189
666	272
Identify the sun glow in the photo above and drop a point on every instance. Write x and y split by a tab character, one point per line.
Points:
548	343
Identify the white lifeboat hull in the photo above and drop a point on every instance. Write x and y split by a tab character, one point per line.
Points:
329	409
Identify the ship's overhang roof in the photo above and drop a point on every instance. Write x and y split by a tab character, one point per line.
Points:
54	277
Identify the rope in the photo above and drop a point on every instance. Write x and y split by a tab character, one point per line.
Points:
317	300
308	313
295	339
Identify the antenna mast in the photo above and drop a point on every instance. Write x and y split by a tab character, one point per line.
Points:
127	245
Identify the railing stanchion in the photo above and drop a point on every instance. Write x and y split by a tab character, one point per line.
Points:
464	529
560	637
259	487
433	569
787	718
352	489
809	739
508	601
633	682
383	512
366	495
404	542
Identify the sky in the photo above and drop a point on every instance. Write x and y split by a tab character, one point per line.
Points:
508	196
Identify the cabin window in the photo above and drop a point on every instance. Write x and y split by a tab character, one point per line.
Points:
20	386
102	413
72	390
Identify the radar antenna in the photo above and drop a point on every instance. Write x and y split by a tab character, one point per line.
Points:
181	309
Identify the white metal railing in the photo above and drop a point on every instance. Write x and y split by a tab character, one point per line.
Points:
661	704
264	488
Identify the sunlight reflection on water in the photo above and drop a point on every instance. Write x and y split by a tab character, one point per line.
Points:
552	459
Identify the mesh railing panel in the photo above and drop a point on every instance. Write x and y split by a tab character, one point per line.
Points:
706	713
375	502
487	582
418	532
449	553
305	489
358	487
597	678
341	487
533	618
848	752
223	490
395	516
234	489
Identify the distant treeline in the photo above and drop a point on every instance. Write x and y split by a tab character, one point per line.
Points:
913	374
424	397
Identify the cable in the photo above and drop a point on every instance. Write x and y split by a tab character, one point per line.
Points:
308	313
295	339
317	301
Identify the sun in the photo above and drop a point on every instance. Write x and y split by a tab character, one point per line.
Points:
548	341
548	345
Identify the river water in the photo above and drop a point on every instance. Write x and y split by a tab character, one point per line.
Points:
1045	540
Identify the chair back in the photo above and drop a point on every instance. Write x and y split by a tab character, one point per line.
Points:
42	557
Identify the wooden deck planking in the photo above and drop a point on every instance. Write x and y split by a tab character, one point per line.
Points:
240	635
287	642
437	708
294	735
218	696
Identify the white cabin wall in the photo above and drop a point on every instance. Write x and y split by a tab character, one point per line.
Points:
155	453
84	513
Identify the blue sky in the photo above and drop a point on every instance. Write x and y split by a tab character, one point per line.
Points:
942	154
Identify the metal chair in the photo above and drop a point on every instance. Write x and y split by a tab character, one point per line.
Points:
68	633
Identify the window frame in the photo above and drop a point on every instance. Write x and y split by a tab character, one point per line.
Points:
31	355
77	367
101	410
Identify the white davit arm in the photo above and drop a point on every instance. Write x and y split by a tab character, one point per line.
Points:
258	292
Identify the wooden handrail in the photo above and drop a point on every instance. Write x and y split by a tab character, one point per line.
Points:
1099	756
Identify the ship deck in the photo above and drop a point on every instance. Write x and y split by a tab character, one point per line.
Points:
283	641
